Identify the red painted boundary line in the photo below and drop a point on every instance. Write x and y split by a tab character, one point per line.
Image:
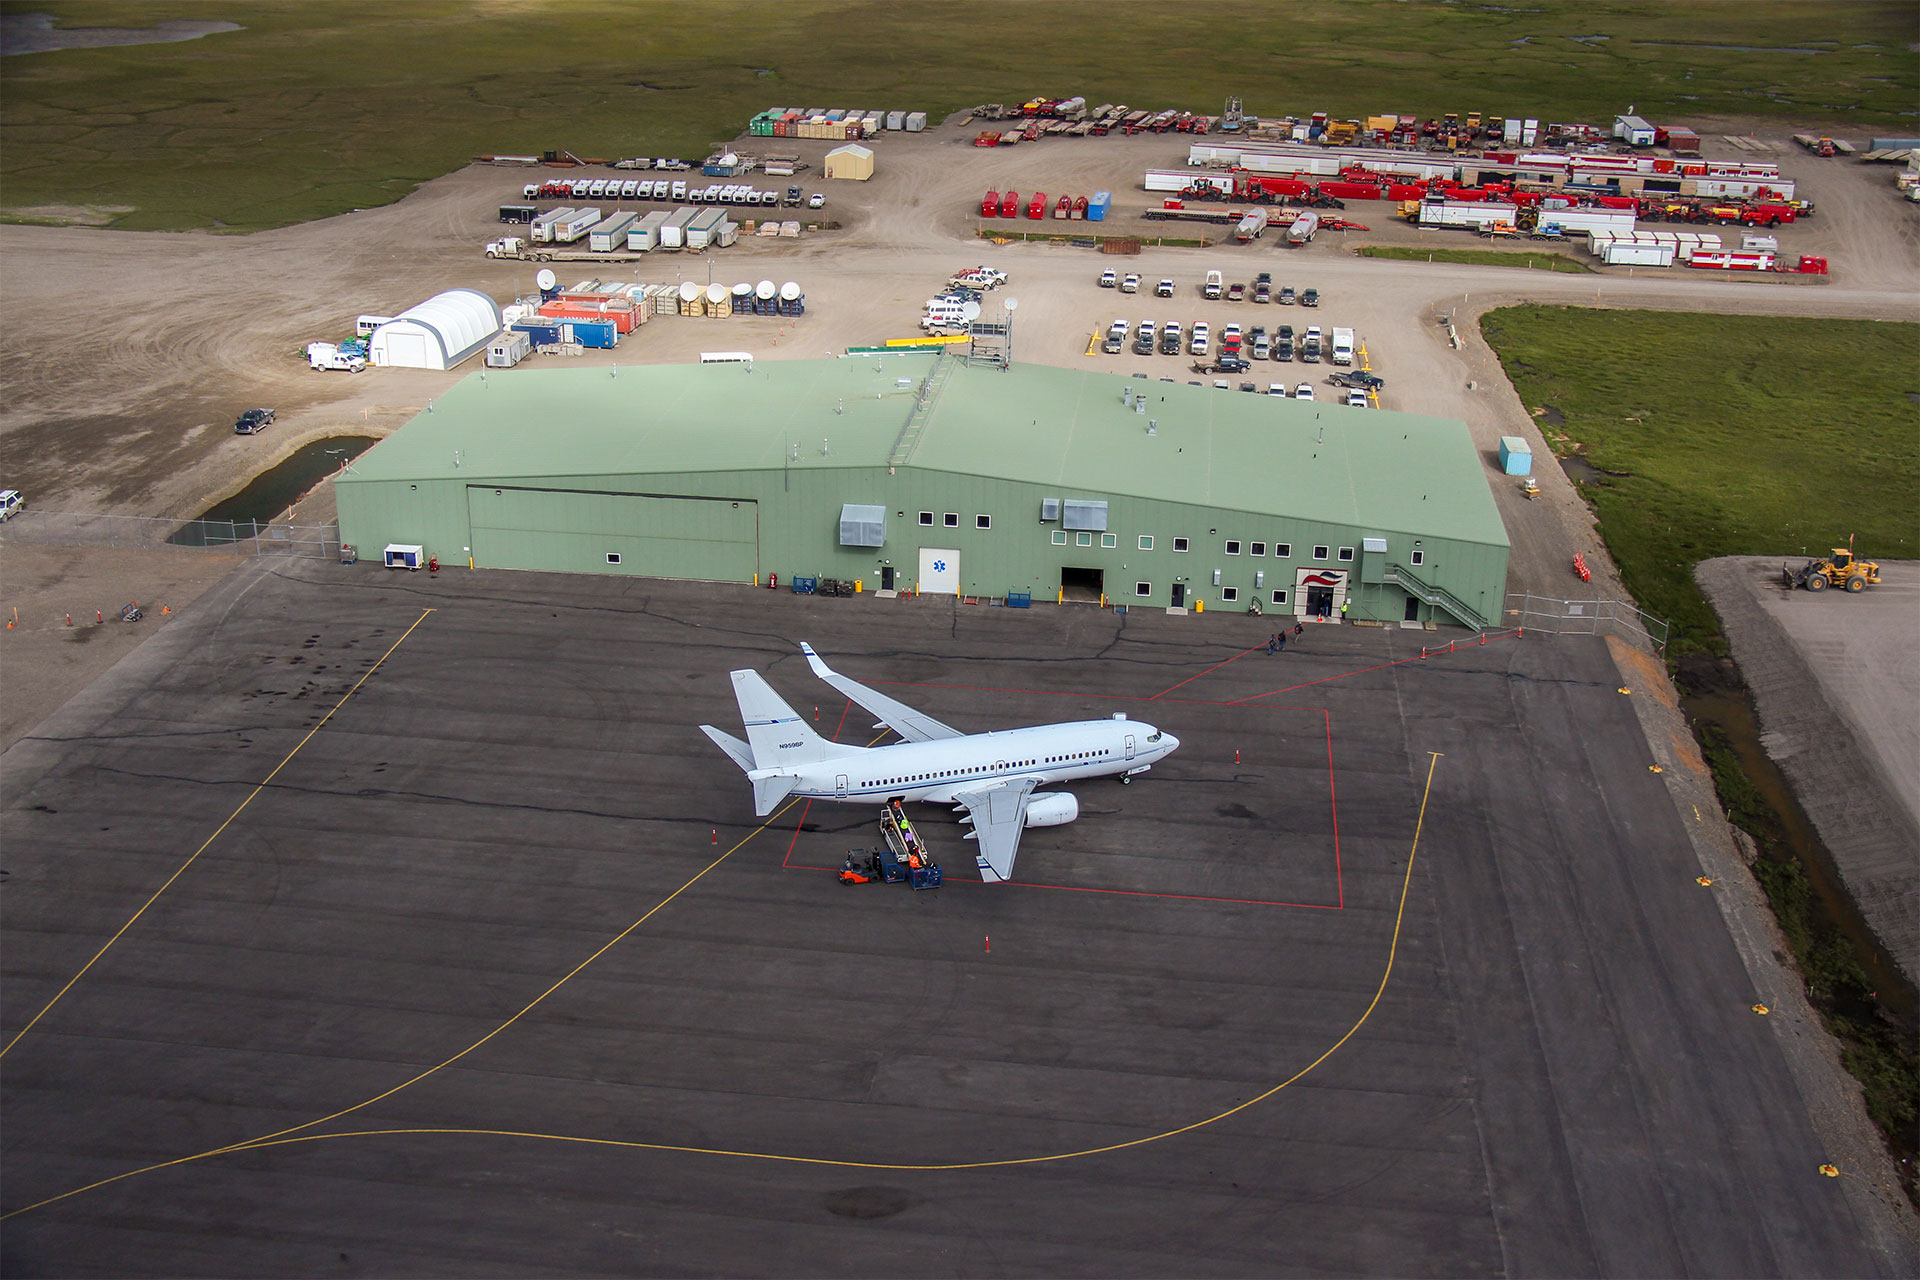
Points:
809	804
1215	667
1333	802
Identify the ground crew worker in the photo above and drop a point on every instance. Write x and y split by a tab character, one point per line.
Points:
1343	609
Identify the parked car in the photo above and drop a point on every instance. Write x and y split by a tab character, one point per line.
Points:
1201	336
1109	279
1262	291
1303	392
1262	350
1283	349
1131	284
1236	293
793	194
252	420
11	503
1230	334
1164	289
1143	338
816	201
1276	388
1170	338
1286	296
1250	388
1230	363
1358	378
1357	399
1311	298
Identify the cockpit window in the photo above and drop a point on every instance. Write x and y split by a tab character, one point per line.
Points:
1154	736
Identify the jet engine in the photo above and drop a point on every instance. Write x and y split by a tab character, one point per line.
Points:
1052	809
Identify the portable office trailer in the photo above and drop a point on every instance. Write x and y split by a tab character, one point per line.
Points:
508	349
916	121
701	231
1633	253
673	232
610	233
644	235
896	121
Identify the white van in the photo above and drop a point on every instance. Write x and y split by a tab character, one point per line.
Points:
944	316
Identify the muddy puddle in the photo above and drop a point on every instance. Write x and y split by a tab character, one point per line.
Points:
270	493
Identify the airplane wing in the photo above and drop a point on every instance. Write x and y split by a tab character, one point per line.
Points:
897	716
999	815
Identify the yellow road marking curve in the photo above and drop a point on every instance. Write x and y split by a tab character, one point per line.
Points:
181	869
286	1137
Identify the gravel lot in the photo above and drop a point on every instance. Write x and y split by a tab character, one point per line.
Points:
1838	693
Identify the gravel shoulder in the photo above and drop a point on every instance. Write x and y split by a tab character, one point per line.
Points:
1838	694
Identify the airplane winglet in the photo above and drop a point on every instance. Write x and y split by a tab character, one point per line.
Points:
820	668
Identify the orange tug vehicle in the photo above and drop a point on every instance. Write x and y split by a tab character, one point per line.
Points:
902	857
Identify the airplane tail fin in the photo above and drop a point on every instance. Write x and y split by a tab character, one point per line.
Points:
779	737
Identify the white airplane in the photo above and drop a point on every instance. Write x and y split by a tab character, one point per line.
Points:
993	776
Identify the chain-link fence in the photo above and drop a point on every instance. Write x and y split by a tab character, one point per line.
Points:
234	537
1586	618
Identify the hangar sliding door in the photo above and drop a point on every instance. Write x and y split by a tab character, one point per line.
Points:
641	535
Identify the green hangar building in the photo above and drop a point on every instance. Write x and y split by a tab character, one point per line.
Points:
917	473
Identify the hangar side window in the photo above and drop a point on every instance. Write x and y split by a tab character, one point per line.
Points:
983	522
1319	553
1280	596
1256	548
1418	556
1109	540
1346	553
926	517
1083	539
1143	588
1283	549
1146	542
1179	544
1059	537
613	557
951	519
1233	546
1229	594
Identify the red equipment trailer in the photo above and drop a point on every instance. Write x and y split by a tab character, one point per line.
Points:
990	205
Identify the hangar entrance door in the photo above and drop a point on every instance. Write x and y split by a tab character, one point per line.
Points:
1083	585
940	571
637	534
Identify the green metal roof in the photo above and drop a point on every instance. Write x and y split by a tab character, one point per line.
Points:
1059	428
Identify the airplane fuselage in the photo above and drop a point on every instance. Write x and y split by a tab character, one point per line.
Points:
939	770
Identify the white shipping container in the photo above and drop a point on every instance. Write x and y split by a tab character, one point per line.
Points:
896	120
916	121
1575	221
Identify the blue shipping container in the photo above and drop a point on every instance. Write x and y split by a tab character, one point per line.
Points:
1097	207
1516	456
592	333
540	335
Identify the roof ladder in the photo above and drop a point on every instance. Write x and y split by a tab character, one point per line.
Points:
923	401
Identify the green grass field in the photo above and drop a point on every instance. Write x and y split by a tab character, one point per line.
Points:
1481	257
1730	435
316	109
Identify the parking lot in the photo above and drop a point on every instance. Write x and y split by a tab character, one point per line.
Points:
1398	965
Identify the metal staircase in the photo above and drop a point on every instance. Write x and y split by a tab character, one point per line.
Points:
1407	581
923	402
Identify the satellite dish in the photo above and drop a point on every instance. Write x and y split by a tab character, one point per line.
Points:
715	292
790	291
970	311
689	290
545	279
1013	304
765	289
743	290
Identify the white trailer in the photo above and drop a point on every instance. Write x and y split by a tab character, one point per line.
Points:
644	235
542	228
704	227
673	232
1173	181
575	225
1633	253
1466	213
1586	220
610	233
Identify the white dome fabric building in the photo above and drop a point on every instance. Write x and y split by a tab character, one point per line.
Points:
439	333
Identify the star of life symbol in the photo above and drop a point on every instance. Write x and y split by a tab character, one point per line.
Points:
939	566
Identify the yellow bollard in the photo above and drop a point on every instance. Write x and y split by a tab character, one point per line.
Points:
1199	606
